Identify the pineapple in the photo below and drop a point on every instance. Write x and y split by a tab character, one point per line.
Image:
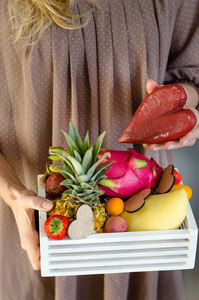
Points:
65	208
82	171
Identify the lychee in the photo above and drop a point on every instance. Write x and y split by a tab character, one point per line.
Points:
116	224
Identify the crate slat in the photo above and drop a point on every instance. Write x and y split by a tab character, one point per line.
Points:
118	254
117	262
123	269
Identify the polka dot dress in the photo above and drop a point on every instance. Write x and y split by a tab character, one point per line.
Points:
95	76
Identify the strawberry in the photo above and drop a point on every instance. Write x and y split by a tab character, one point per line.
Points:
56	227
177	176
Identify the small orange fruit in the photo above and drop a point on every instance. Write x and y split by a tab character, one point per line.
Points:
186	187
114	206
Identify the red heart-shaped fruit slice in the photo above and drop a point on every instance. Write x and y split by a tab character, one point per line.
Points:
161	117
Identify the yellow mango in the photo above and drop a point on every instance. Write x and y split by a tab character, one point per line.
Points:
160	212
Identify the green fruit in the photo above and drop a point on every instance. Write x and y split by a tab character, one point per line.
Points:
160	212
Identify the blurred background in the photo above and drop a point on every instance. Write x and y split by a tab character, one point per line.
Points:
187	162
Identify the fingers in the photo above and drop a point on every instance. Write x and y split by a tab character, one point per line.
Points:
33	250
145	145
151	85
162	146
30	243
156	147
23	209
185	141
170	145
25	219
190	138
29	200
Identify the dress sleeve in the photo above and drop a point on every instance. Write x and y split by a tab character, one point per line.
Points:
183	61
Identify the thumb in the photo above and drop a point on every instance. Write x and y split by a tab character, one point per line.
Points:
151	85
29	199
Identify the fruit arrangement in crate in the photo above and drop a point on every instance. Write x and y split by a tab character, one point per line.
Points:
98	190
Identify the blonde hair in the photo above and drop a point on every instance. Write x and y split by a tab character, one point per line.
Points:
30	18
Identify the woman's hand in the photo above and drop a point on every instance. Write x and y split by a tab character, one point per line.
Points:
187	140
23	203
24	211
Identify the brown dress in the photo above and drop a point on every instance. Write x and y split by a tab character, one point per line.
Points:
96	77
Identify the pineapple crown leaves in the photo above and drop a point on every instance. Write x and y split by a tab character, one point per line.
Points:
76	145
57	149
82	158
82	168
75	171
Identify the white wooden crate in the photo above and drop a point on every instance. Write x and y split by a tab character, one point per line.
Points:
119	252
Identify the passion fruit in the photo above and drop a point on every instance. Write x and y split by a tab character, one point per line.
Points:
52	185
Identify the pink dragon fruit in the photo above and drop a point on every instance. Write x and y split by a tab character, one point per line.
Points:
129	173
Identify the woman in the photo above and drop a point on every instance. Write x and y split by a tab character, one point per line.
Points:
92	70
